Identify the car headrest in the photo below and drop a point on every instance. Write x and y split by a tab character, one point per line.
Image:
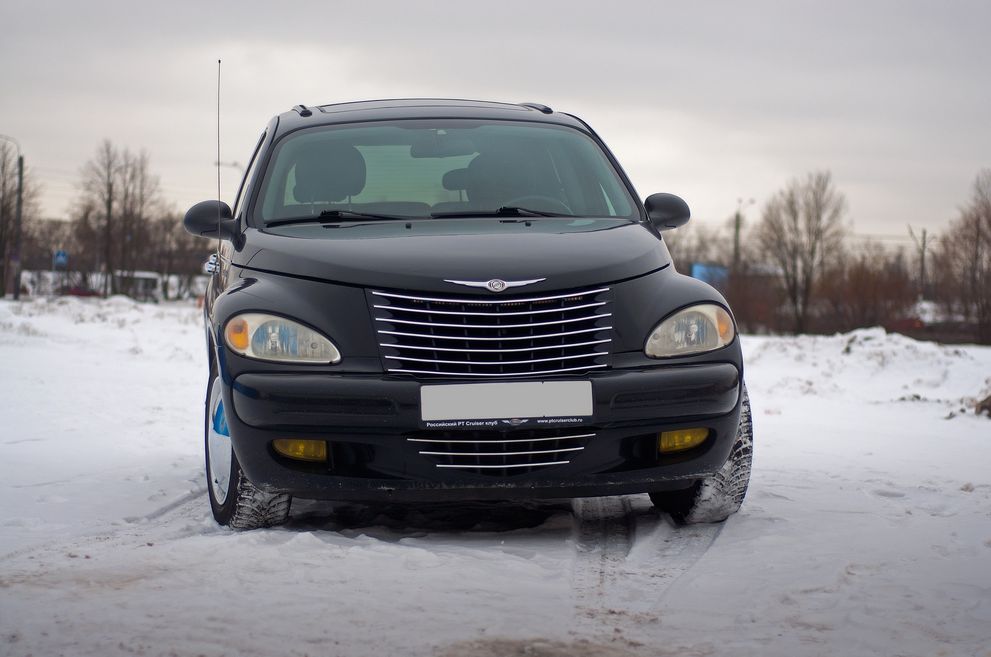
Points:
329	172
496	177
455	179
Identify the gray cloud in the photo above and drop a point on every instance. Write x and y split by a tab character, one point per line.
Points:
710	100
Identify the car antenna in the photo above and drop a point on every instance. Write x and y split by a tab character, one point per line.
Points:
219	216
303	110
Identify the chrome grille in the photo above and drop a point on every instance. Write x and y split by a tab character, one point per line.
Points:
486	336
499	454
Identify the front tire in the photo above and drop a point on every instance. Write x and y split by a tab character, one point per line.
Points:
234	500
718	496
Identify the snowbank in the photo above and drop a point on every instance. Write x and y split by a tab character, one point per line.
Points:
868	365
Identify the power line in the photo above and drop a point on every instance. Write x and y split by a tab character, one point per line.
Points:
865	237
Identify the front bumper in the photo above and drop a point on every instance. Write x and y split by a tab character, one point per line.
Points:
368	421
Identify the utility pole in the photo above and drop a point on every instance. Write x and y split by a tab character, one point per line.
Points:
922	245
108	279
737	225
15	259
232	165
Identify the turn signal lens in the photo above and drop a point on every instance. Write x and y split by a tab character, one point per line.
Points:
301	450
724	325
681	439
237	334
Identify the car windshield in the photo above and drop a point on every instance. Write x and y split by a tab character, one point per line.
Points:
441	168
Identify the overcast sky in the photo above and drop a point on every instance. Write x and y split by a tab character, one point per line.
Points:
713	101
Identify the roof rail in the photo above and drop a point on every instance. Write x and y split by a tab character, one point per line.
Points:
537	106
303	110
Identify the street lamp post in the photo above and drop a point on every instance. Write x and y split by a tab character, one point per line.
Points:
737	225
16	257
232	165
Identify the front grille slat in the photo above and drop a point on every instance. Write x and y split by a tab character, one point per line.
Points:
499	362
529	373
494	351
474	454
500	453
489	300
464	325
460	313
521	337
488	336
506	467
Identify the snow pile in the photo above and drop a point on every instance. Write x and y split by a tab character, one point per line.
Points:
84	321
865	532
868	365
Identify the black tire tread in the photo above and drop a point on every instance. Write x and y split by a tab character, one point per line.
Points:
720	495
255	508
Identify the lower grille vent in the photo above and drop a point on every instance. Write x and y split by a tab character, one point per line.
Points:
498	454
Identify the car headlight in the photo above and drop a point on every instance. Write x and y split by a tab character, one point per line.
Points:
692	330
270	337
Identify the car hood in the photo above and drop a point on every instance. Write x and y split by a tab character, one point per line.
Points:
424	254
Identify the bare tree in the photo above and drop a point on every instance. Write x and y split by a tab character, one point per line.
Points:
119	196
86	254
801	226
176	253
8	206
697	243
99	190
8	188
963	261
139	202
873	287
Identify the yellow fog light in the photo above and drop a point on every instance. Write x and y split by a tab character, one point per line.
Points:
681	439
301	450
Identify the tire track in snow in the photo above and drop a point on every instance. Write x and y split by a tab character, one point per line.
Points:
129	530
605	529
167	508
628	555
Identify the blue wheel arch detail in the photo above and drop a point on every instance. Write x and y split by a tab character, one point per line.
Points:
219	420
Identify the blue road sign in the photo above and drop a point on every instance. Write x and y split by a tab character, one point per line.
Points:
60	259
714	275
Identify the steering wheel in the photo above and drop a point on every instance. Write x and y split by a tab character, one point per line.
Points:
526	202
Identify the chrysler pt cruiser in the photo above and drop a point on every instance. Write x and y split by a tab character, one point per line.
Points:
446	300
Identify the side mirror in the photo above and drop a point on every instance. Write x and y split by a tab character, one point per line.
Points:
211	219
667	211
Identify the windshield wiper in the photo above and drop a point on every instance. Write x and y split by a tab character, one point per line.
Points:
337	214
504	211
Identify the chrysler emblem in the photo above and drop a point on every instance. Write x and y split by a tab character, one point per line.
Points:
496	284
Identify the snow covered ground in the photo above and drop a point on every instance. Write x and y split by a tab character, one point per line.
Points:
867	530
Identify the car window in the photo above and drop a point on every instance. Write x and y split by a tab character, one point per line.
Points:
419	168
393	175
242	192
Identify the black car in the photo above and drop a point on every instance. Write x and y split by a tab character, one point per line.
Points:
447	300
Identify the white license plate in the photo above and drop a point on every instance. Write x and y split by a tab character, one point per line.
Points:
485	401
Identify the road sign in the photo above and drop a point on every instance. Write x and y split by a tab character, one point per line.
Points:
60	259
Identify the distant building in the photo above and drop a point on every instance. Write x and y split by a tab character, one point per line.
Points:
715	275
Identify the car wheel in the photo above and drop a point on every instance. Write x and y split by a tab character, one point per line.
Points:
234	500
720	495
